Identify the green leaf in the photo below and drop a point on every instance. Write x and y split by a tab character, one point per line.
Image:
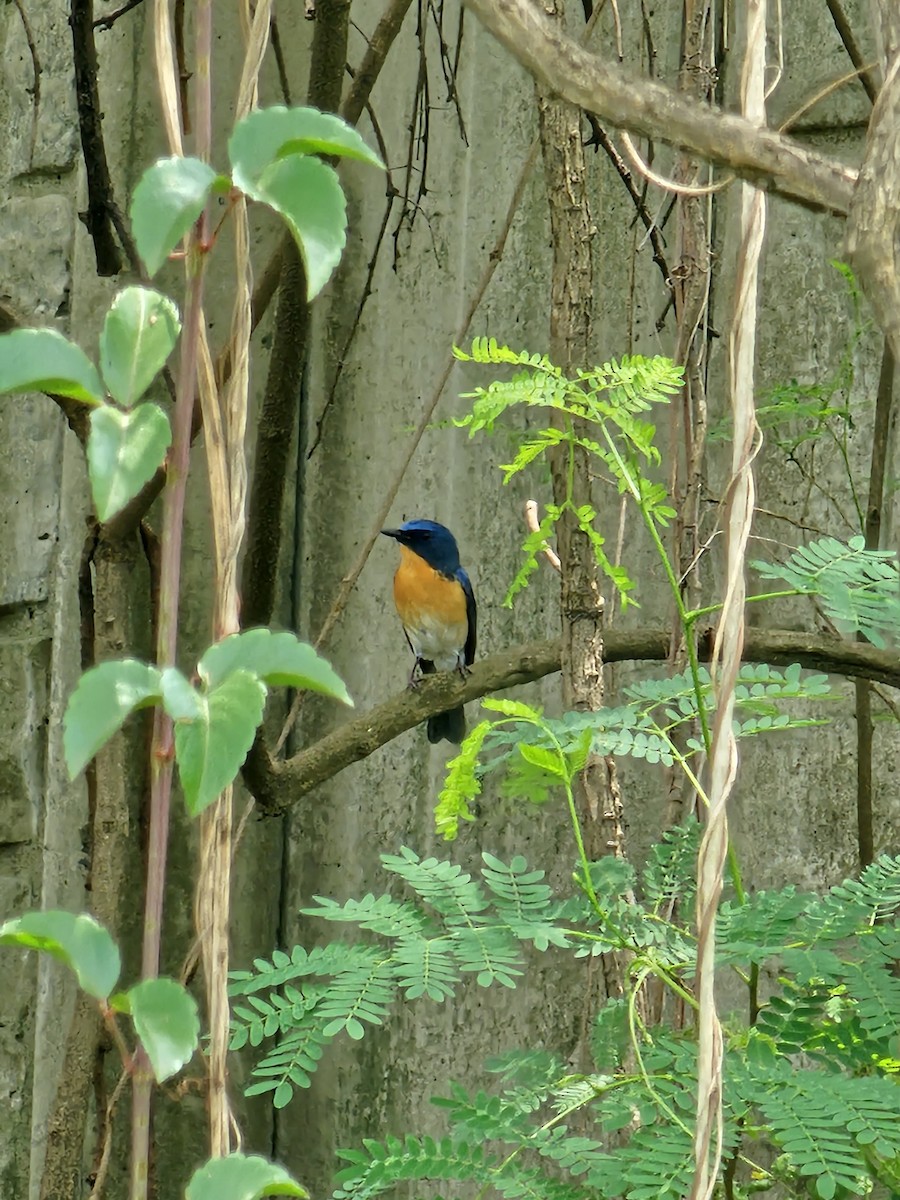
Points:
167	1022
124	450
211	748
269	134
42	360
167	201
308	194
546	760
75	939
180	700
103	699
279	659
241	1177
139	333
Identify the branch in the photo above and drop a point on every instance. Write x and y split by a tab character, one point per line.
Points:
103	217
653	110
277	786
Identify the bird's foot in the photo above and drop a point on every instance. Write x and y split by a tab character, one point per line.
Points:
416	675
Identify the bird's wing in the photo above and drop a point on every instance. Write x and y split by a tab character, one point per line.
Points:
471	615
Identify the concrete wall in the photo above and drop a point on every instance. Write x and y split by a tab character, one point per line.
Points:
330	843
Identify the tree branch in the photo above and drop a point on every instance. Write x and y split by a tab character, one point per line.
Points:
653	110
279	785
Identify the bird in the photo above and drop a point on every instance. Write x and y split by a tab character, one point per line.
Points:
436	605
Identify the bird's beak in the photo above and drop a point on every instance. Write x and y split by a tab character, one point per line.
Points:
394	533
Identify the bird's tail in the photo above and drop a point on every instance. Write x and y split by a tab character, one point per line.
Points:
447	726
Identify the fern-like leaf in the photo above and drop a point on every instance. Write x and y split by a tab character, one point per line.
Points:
858	588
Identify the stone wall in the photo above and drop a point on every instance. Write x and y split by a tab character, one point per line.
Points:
425	275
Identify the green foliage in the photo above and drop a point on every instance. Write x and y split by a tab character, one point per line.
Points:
211	746
215	723
793	415
166	1020
458	926
42	360
609	398
77	940
163	1012
242	1177
272	152
124	451
831	1116
539	754
101	703
168	199
858	589
278	659
138	335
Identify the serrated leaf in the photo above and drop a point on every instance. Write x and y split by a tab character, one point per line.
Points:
167	1022
211	748
279	659
308	194
124	451
272	133
104	698
75	939
167	201
139	333
42	360
241	1177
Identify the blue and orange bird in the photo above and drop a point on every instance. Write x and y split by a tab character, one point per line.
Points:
436	606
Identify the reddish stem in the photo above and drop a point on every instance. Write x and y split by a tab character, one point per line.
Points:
162	751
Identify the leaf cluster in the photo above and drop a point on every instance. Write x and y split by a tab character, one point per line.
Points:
459	926
815	1076
274	159
858	589
600	411
215	721
539	754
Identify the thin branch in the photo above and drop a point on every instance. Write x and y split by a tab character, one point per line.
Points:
533	524
845	30
97	217
275	38
278	785
599	137
373	60
110	19
646	107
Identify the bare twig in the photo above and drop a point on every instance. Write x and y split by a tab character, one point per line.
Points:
866	76
670	185
103	1165
98	215
277	49
110	19
532	522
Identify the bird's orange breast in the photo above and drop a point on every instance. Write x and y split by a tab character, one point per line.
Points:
423	594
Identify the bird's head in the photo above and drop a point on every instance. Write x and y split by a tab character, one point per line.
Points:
431	541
